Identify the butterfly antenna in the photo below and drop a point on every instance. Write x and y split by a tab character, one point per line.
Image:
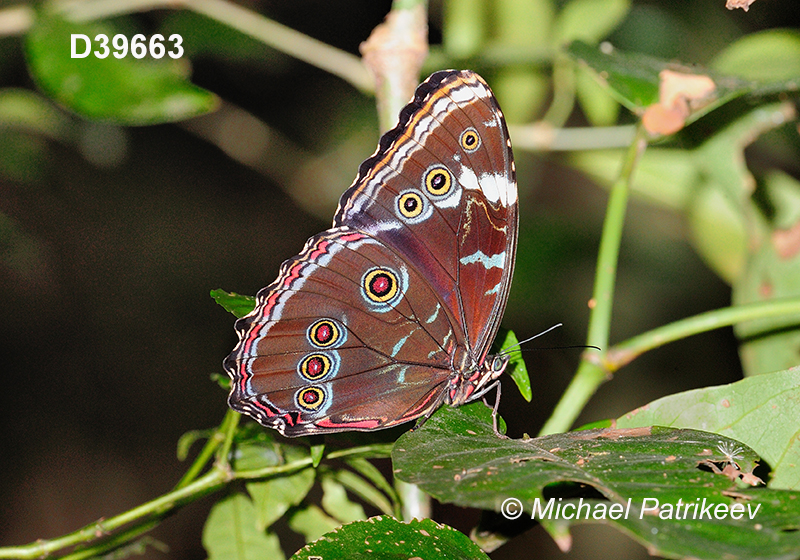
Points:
506	351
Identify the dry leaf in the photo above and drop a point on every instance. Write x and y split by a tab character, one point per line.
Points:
743	4
787	241
678	95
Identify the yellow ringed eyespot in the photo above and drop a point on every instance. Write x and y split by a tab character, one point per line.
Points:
410	204
470	140
324	333
380	285
315	366
310	398
438	181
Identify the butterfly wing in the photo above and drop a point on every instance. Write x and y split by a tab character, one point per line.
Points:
370	324
441	191
348	337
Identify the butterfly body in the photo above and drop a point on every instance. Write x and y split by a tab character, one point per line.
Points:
391	312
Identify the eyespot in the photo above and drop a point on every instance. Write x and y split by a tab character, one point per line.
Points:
325	333
310	398
380	285
410	204
470	140
315	366
412	207
438	181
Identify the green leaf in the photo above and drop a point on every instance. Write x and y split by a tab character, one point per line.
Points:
522	25
516	365
337	504
385	537
374	475
30	111
127	91
711	184
773	272
230	533
312	523
739	411
464	27
634	79
719	230
631	78
255	449
663	176
457	459
768	56
205	36
589	20
364	490
234	303
317	450
273	497
600	108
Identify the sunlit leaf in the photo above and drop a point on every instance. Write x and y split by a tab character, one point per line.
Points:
122	90
516	365
457	459
739	411
234	303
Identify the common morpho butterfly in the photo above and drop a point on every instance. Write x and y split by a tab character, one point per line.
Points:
391	312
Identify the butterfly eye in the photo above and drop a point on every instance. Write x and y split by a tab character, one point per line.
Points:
310	398
410	204
315	366
499	364
324	333
380	285
438	181
470	140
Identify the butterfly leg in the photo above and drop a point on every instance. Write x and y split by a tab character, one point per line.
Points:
494	412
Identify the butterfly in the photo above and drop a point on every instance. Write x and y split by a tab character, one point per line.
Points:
392	311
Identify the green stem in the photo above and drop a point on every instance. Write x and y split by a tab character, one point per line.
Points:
543	137
221	435
625	352
227	430
140	519
112	543
154	509
589	375
563	92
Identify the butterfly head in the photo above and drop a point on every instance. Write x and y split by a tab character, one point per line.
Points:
468	387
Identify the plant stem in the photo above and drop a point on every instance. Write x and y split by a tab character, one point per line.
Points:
221	435
589	375
625	352
543	137
142	518
145	514
112	543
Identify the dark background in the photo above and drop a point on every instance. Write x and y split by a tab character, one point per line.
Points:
107	333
